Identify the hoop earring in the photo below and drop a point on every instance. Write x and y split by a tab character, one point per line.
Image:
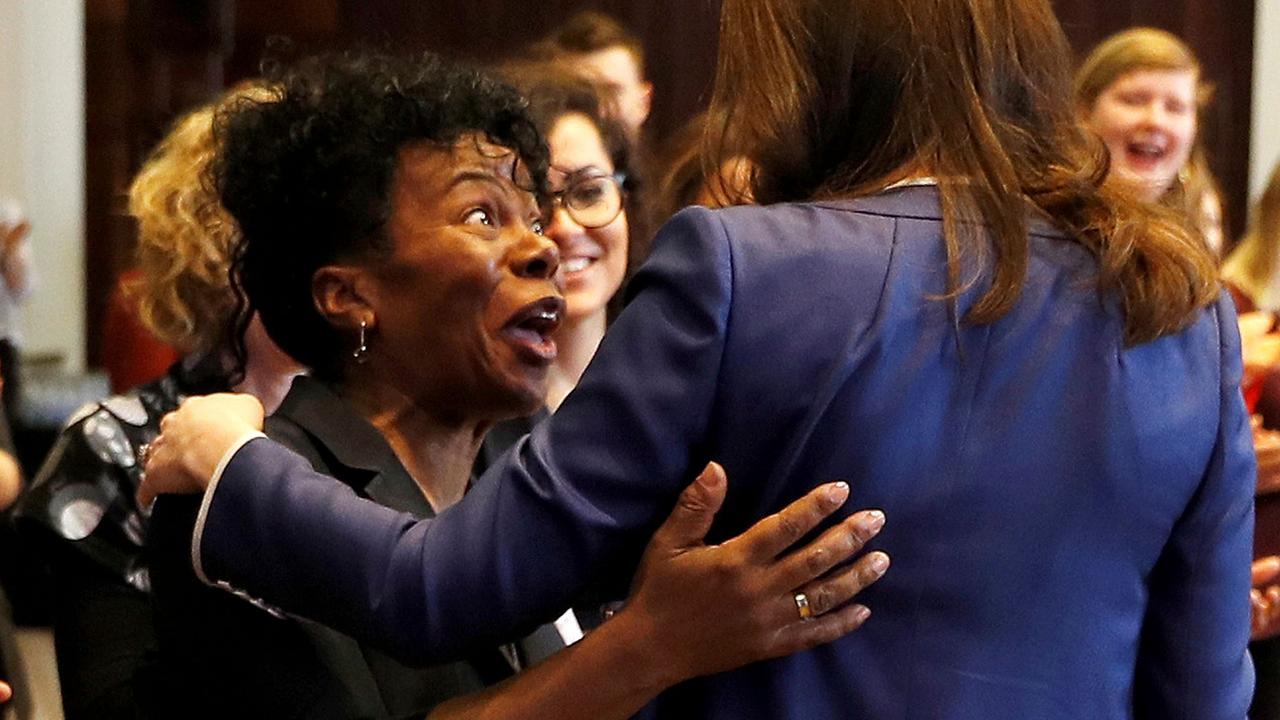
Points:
361	354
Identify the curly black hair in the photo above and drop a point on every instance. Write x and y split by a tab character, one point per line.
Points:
308	173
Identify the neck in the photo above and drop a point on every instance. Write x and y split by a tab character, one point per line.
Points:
577	342
438	452
268	371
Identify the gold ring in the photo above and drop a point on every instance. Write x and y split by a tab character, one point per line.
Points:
802	606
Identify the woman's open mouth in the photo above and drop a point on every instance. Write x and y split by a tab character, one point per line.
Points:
530	330
1146	155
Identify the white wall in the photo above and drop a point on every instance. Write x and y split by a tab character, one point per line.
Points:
1265	145
42	162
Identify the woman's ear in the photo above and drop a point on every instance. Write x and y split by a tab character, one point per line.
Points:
342	295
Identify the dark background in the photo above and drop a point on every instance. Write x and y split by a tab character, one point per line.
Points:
149	60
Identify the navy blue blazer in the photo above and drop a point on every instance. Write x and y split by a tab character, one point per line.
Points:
1070	520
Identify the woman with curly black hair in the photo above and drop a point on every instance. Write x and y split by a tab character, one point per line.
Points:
391	213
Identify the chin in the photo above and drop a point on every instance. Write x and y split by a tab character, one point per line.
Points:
583	304
525	400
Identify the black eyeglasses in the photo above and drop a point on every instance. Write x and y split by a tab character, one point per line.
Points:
593	201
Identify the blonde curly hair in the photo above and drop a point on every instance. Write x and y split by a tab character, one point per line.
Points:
185	237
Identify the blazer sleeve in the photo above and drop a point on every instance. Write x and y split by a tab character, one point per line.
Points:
1193	660
583	493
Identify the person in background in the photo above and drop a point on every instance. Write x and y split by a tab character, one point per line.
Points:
17	280
603	47
12	668
10	471
1142	91
81	510
1252	270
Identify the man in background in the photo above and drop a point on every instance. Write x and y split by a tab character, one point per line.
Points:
613	55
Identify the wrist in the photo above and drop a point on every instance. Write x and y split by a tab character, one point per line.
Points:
638	651
209	459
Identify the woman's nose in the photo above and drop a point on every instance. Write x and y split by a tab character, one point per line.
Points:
537	257
1155	114
563	228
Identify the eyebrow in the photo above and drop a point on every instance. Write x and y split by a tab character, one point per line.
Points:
466	176
590	170
508	189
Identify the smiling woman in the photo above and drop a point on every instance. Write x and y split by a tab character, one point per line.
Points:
1141	91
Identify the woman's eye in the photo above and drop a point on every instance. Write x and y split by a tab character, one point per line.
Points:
478	216
588	194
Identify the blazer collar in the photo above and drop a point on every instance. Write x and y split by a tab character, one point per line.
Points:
361	456
918	198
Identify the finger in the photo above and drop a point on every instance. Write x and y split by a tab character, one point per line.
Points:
5	692
829	593
151	471
146	493
771	536
689	522
832	548
1266	570
820	631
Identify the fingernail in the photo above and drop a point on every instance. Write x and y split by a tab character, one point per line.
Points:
879	562
838	492
862	613
870	522
710	478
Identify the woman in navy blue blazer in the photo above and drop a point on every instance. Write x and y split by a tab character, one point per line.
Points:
1035	376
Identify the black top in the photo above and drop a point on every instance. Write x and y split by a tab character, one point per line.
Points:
80	513
283	666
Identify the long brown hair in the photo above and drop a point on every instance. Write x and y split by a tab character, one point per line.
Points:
858	94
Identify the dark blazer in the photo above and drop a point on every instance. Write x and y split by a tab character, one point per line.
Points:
1069	518
290	667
